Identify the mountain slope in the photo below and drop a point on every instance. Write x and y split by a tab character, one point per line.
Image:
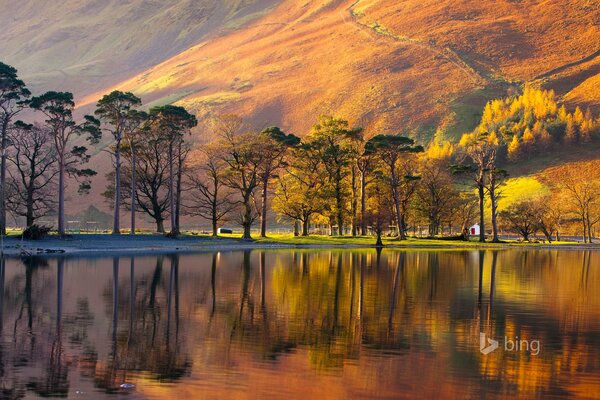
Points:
84	45
389	65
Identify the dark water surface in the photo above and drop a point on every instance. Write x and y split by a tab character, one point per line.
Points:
303	325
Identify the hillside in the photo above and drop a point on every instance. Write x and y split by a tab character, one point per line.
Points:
85	45
426	67
388	65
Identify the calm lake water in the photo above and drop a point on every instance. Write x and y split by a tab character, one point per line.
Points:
303	325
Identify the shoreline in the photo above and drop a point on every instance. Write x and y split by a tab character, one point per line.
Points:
100	244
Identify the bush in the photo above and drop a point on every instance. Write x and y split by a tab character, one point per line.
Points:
36	232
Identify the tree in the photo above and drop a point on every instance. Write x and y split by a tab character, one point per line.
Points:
464	211
481	148
332	138
379	210
173	122
299	191
242	155
364	163
390	149
114	109
151	193
182	151
136	125
523	218
358	181
582	192
551	216
275	146
13	96
32	179
58	108
210	198
435	193
496	177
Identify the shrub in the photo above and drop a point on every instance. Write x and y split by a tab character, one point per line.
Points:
36	232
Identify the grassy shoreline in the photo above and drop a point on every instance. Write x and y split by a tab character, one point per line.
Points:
101	244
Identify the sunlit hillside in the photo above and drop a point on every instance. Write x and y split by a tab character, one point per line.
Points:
388	65
423	68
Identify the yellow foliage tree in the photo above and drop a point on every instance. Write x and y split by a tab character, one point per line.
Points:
514	148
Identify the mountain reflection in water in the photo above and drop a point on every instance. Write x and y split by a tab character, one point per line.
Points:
301	324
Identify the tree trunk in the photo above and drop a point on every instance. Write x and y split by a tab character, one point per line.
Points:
584	229
354	203
214	206
339	206
399	222
296	228
172	191
379	242
481	213
494	205
247	231
547	234
178	190
263	214
363	203
61	196
247	220
29	217
117	199
160	226
3	145
215	229
557	236
305	225
133	189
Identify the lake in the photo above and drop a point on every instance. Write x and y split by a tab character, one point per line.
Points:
303	324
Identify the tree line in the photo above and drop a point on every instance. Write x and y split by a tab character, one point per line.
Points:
334	177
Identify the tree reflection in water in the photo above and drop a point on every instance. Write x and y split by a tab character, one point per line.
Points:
54	381
376	320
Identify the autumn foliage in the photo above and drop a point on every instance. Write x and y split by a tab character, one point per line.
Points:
534	122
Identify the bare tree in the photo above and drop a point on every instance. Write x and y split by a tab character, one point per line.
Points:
242	155
13	94
481	148
151	173
210	198
582	194
174	123
435	194
32	178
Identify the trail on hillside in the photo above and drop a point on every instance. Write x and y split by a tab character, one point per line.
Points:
567	66
447	53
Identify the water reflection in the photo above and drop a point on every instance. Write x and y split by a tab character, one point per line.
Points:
329	324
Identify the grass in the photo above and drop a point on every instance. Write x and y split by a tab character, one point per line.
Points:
387	241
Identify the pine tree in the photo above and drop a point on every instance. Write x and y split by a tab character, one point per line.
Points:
514	148
528	140
570	131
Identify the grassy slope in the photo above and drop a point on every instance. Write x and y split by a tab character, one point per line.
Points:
84	45
390	66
